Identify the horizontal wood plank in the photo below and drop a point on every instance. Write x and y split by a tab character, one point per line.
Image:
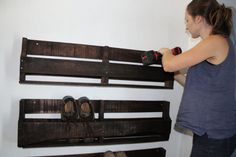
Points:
49	48
55	105
112	132
155	152
53	67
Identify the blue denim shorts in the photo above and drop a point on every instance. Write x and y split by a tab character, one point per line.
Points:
203	146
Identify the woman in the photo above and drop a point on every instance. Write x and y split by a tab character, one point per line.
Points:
208	106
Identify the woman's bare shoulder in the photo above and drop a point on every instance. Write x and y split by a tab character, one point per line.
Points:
217	40
219	46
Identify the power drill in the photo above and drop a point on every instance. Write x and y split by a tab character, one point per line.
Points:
152	57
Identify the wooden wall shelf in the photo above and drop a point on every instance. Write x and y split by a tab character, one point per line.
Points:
47	132
108	66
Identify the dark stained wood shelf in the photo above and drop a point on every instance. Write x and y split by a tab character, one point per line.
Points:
103	63
45	132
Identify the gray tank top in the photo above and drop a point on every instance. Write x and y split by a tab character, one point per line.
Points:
208	104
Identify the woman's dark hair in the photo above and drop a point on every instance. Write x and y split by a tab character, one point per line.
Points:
216	15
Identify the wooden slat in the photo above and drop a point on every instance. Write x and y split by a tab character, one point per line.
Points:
155	152
135	106
127	55
54	106
95	84
45	133
39	66
51	67
103	69
160	152
48	48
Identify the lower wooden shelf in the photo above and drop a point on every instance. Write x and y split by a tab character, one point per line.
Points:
52	132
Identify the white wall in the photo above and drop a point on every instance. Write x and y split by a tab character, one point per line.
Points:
133	24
